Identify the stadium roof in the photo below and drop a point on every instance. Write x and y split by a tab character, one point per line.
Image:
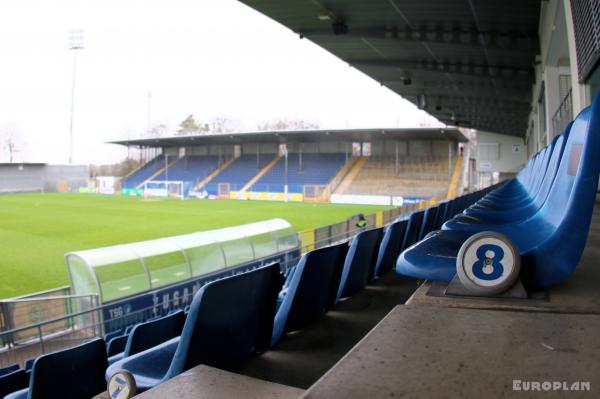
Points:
467	62
302	136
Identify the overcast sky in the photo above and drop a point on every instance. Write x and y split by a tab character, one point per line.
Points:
208	58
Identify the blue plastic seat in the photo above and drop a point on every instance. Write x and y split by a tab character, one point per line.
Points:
390	247
415	220
429	218
308	289
8	369
13	381
552	239
229	320
112	334
116	345
521	211
358	263
29	363
76	373
151	333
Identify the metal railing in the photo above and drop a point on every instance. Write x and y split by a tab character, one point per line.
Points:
563	115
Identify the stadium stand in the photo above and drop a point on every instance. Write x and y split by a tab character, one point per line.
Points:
553	199
190	169
212	334
143	173
425	176
72	373
238	173
317	169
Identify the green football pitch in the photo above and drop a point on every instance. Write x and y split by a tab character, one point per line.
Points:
36	230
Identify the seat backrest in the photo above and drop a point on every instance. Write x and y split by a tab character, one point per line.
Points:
429	218
117	345
552	168
390	247
70	373
439	219
568	209
13	381
154	332
229	320
309	291
413	229
357	265
8	369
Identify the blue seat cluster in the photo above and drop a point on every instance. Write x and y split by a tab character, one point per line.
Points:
546	210
315	169
229	320
144	173
239	172
191	168
76	373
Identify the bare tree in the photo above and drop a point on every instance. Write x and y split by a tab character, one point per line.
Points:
288	124
11	140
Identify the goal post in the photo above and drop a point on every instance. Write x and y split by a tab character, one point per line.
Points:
164	189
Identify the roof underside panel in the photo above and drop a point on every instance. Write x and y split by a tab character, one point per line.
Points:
467	62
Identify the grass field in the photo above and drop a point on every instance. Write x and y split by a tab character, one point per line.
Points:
36	230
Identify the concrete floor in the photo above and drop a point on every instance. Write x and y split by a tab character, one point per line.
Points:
302	357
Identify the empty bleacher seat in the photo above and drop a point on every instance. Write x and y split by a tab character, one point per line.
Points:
309	288
553	197
151	333
191	168
8	369
75	373
116	344
145	172
413	229
239	172
229	320
315	169
13	381
358	263
390	247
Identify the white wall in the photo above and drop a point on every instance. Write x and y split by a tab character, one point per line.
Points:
508	161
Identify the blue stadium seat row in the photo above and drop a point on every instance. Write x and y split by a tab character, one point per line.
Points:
546	210
317	169
142	174
239	172
191	168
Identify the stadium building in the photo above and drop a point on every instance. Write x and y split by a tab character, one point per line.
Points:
490	292
378	166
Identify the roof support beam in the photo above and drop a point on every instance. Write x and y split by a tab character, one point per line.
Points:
514	43
483	71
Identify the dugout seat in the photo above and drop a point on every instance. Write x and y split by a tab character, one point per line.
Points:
390	247
75	373
151	333
551	239
229	320
357	265
308	289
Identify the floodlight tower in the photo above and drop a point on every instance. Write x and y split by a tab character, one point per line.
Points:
75	43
